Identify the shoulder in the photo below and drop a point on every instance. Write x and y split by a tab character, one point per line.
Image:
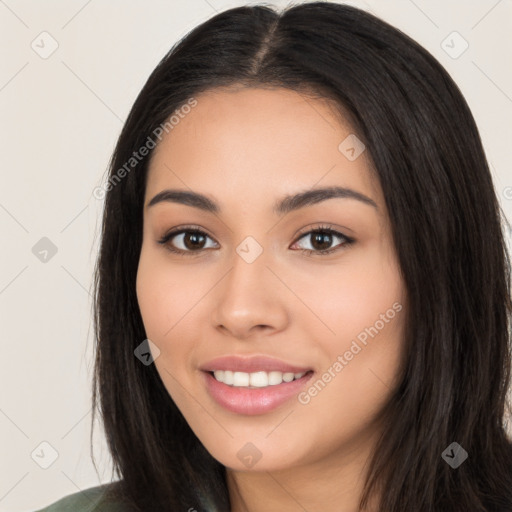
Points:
88	500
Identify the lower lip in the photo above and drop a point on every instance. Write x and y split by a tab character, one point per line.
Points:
252	401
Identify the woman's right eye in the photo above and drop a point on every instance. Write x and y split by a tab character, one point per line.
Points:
191	240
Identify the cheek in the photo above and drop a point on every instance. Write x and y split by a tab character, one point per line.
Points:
150	297
347	298
162	299
168	304
361	307
161	296
354	384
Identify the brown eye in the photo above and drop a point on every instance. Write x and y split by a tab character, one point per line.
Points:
193	240
321	239
185	240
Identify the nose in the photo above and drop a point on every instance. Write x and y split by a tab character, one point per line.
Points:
251	300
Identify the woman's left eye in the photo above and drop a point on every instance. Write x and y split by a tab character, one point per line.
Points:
323	236
192	240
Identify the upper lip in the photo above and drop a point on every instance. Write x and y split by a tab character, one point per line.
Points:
252	364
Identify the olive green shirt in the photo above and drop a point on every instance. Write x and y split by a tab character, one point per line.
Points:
88	500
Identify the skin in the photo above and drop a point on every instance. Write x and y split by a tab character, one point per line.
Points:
246	148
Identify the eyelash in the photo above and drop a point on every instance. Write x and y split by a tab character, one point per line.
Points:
309	252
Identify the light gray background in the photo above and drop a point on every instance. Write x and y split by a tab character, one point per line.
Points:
61	116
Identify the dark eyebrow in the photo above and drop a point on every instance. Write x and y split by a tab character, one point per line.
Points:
287	204
317	195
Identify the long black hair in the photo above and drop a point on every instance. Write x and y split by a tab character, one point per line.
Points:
447	228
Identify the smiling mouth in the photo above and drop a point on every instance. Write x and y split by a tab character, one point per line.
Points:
271	392
255	380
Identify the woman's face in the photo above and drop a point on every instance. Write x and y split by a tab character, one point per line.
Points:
246	288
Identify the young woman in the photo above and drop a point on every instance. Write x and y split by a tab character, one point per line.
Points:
303	289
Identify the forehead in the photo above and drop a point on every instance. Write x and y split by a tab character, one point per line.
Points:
251	145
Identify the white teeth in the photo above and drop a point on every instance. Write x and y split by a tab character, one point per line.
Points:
288	377
256	379
275	378
240	379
